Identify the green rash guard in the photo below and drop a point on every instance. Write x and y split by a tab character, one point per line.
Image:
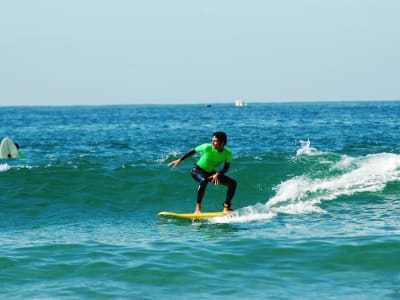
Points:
211	158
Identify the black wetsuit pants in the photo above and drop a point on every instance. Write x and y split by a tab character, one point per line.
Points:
202	177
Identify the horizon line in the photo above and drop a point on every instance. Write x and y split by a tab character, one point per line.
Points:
205	103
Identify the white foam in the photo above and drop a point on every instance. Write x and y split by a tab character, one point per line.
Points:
258	212
306	149
302	194
367	174
4	167
344	163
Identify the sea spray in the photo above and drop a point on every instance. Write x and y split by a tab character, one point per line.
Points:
302	194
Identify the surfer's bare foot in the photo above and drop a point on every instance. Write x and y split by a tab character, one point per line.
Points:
227	208
198	209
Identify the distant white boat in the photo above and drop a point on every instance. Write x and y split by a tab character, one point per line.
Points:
240	103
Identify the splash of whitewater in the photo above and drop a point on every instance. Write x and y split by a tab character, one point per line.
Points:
302	194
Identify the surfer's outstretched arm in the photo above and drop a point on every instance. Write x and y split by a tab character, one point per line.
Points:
176	162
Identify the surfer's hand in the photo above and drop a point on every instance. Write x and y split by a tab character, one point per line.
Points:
174	163
214	178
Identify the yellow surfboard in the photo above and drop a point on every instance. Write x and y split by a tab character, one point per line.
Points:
203	215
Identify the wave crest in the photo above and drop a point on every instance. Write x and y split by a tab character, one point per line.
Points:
302	194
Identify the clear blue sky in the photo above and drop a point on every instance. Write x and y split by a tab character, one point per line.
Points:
182	51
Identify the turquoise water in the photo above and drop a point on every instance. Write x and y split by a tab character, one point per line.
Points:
316	209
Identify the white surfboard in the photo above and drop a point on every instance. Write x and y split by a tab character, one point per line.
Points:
8	149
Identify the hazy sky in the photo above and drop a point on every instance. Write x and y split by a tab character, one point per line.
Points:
184	51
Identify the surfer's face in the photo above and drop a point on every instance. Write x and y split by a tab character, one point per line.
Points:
219	146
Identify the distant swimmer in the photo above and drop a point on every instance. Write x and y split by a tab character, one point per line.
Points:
212	155
9	149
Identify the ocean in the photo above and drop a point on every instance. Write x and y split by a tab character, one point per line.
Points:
316	211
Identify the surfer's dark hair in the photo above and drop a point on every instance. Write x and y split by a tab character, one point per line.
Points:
221	136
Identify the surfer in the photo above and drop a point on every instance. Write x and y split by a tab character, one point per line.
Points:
212	155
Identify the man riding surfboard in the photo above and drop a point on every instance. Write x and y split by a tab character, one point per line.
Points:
204	171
